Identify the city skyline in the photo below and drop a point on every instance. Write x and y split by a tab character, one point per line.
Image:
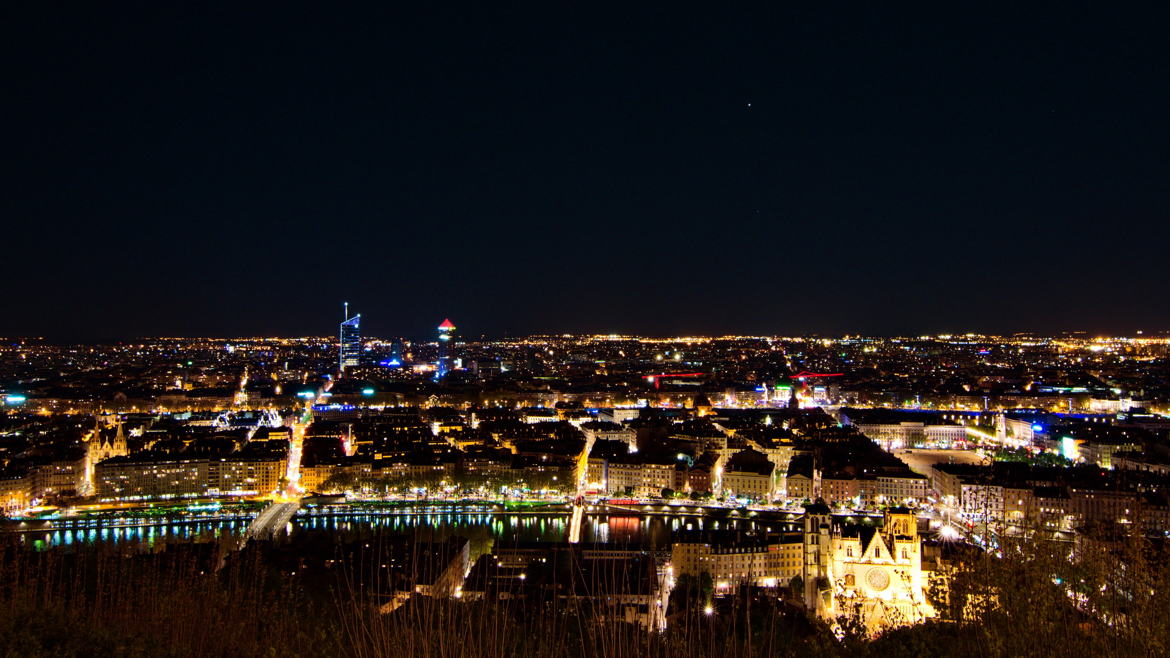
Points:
828	479
423	336
426	336
678	330
350	336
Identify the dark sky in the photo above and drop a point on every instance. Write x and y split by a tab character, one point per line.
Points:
201	169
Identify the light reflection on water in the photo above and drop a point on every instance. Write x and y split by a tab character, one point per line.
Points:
504	528
148	535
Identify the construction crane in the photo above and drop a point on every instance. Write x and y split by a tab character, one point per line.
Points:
804	374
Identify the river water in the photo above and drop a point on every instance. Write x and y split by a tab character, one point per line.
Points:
482	525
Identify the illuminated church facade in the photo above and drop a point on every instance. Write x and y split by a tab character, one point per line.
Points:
872	572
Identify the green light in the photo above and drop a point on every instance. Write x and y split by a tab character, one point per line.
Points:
367	391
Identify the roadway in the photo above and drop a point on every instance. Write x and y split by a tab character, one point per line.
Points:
295	447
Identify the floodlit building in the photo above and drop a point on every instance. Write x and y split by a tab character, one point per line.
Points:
877	568
147	476
639	475
894	429
731	562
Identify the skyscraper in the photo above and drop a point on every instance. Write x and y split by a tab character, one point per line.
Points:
446	332
350	341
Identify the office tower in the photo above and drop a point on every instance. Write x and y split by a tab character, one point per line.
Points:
350	341
446	332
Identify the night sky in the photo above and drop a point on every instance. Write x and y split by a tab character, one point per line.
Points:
197	169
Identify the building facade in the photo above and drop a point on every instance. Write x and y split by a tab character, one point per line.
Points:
350	343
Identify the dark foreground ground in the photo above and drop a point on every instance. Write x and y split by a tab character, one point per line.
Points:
202	599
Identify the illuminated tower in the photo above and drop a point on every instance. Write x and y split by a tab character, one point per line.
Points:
350	341
446	332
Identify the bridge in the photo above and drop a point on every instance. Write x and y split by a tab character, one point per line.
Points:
576	521
271	521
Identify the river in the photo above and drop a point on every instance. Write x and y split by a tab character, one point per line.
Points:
498	526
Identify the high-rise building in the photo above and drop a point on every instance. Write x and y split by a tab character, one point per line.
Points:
350	341
397	354
446	333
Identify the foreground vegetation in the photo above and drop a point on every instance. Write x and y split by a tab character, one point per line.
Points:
1094	598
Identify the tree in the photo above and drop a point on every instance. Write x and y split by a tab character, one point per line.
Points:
706	587
339	482
797	587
